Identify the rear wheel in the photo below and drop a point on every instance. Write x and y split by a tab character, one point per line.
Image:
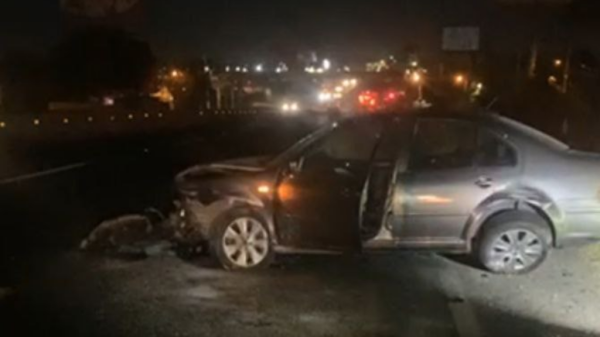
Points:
514	243
241	241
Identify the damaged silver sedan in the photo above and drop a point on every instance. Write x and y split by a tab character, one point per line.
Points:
480	184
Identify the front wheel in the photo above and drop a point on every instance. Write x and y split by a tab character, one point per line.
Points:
241	241
514	243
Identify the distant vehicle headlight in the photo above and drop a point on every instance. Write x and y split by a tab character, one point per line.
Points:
325	97
290	107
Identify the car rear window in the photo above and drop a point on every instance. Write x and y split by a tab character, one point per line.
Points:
492	151
533	134
443	144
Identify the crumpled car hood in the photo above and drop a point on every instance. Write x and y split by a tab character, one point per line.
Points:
249	164
194	175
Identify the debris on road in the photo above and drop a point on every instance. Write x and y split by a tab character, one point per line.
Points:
131	235
204	292
118	232
160	248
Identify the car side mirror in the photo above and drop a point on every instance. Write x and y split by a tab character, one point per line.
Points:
296	165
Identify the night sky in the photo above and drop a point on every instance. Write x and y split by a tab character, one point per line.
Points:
239	29
254	28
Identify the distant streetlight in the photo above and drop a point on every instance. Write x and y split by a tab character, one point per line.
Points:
259	68
108	101
417	79
326	64
459	79
558	63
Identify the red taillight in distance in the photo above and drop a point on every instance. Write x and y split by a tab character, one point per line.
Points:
368	99
373	100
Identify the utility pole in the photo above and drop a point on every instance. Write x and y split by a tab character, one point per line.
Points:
567	71
533	60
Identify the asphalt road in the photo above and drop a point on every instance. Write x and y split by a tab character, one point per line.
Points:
399	294
47	288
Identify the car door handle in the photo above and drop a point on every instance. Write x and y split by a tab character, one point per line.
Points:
343	172
484	182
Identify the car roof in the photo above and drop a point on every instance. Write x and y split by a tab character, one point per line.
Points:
477	115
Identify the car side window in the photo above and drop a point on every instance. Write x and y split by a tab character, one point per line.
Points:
494	152
441	144
351	142
392	141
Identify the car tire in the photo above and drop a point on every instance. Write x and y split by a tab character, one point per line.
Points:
514	243
241	240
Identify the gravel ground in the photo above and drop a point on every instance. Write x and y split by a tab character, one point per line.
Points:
399	294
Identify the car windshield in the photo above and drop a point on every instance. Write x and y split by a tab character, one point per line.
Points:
294	150
299	168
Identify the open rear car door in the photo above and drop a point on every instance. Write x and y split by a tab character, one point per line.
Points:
380	194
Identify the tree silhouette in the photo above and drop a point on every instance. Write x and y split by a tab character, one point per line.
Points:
97	60
97	8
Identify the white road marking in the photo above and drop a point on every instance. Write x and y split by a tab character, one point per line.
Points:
463	315
42	174
464	319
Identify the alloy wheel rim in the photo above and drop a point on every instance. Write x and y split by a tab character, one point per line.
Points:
246	242
515	250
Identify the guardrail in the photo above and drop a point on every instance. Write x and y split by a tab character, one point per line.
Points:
34	146
99	124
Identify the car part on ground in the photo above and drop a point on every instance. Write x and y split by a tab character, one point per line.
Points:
131	235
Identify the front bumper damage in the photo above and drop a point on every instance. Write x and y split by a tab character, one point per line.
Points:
194	220
205	193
